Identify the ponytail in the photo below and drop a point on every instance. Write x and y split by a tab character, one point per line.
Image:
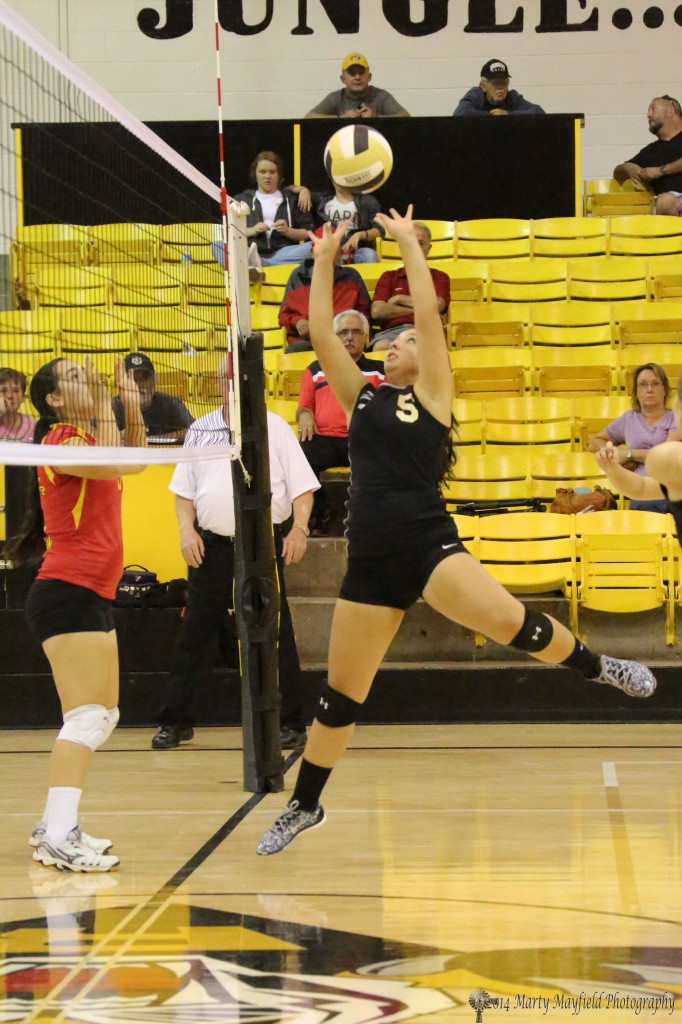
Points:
29	544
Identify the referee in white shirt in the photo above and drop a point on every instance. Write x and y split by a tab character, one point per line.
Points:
204	505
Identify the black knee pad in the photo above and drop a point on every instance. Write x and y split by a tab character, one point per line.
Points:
335	710
535	634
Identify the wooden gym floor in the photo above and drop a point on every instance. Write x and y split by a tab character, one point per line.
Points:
540	864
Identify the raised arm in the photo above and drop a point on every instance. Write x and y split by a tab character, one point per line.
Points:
345	379
434	387
632	485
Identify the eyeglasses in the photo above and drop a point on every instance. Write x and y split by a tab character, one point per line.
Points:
648	384
357	331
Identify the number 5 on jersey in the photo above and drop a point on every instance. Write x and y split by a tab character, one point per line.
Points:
407	411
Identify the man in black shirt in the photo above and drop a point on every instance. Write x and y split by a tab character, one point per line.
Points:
658	167
165	416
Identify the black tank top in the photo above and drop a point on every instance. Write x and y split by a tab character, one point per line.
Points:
396	450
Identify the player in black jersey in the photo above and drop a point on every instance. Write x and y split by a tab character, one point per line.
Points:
402	544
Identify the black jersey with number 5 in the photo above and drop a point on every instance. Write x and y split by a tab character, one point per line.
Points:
396	450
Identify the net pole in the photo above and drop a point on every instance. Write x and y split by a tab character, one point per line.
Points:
256	590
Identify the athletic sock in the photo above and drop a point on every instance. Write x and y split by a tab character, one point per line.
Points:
61	813
309	785
583	660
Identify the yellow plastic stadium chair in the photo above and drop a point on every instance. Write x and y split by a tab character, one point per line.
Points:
142	285
501	312
51	286
667	287
650	332
271	291
624	557
492	239
568	237
204	284
563	469
529	421
607	279
286	408
477	334
488	382
651	235
487	478
537	280
570	379
371	272
571	325
93	330
124	243
166	329
468	280
531	554
191	240
469	413
605	197
266	319
39	245
467	530
290	369
594	412
28	338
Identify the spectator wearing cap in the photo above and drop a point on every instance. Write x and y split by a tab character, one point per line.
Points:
493	95
165	416
357	98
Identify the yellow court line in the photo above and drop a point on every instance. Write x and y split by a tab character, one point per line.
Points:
625	871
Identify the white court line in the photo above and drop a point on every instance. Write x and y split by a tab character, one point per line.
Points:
609	773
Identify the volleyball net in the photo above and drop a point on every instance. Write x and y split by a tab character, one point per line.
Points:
113	247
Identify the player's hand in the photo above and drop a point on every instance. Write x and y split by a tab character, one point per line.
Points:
397	226
306	425
128	390
294	546
329	242
97	385
192	548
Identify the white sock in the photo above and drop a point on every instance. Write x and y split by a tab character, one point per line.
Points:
61	813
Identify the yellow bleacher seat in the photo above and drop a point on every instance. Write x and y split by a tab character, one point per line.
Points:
290	369
476	334
469	414
529	421
650	332
571	324
204	284
49	286
487	478
667	287
442	234
572	379
467	312
190	239
93	330
563	469
150	530
39	245
124	243
271	291
167	329
649	235
568	237
495	238
605	197
608	279
140	285
536	280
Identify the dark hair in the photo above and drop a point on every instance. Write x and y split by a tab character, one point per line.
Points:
675	104
447	466
662	376
267	154
8	375
29	544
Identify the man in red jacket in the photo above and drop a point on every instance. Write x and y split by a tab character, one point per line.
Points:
349	293
322	424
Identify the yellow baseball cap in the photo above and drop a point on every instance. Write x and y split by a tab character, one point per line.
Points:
354	58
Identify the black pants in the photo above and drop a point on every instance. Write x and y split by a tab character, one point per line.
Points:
206	618
324	453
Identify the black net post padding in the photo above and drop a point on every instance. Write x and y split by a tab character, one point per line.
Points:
256	591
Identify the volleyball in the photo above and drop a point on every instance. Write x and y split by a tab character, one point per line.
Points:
358	158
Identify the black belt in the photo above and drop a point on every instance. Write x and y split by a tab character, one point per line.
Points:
219	538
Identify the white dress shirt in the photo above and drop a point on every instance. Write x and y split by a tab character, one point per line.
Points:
208	482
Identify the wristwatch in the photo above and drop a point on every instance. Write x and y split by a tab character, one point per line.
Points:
663	169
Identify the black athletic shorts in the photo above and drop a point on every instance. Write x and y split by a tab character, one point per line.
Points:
54	607
398	580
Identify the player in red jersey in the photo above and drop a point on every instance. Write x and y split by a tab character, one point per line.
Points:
74	523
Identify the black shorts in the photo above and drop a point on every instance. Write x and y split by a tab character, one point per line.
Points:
54	607
397	580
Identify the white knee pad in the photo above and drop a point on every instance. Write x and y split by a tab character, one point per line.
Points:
91	725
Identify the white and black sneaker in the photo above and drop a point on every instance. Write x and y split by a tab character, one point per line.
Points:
72	856
76	835
629	676
290	823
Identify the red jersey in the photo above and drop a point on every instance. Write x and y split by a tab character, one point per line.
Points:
82	524
316	395
394	282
